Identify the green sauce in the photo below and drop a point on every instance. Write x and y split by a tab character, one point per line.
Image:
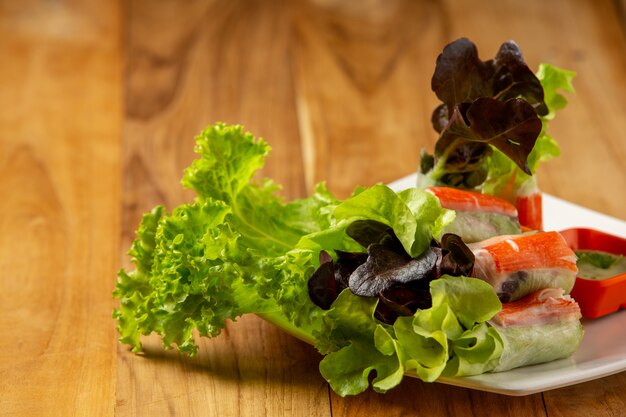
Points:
597	265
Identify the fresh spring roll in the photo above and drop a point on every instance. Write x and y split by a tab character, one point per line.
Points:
517	265
478	216
541	327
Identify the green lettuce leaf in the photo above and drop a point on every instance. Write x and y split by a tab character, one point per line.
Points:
423	338
554	80
230	252
356	345
450	338
476	351
471	300
453	335
414	215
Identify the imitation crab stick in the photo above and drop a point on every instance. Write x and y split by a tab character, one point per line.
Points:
478	216
529	203
516	265
548	305
530	210
461	200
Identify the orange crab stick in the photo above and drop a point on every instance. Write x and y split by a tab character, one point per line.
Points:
530	251
549	305
516	265
529	201
461	200
530	211
478	216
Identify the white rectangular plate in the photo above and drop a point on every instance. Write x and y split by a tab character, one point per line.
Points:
603	349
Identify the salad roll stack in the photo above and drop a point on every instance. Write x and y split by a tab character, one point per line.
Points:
517	265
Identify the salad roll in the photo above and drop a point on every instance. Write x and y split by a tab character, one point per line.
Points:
541	327
478	216
517	265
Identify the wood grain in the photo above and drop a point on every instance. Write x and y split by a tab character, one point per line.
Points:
251	369
603	398
362	82
60	101
414	397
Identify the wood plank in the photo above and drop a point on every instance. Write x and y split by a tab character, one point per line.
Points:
251	369
593	150
190	64
363	86
59	212
602	397
414	397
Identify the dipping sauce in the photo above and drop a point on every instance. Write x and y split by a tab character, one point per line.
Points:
597	265
597	296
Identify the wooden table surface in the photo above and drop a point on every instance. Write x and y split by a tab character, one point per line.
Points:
99	104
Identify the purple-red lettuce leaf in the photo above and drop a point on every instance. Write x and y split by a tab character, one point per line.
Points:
463	82
457	259
323	289
502	173
461	77
511	127
514	79
385	267
369	232
402	300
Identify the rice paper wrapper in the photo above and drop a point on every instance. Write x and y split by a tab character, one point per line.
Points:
539	343
474	226
516	285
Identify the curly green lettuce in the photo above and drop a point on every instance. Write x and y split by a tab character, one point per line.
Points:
238	248
230	252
